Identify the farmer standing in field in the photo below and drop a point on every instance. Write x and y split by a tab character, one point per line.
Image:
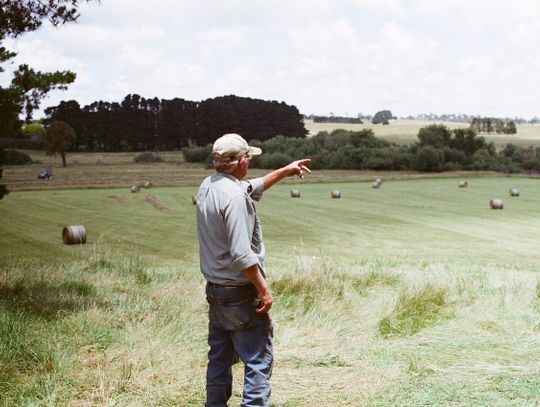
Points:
232	261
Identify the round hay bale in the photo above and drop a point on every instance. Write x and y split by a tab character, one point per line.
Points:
148	184
135	188
514	192
463	184
496	203
336	194
194	200
75	234
375	184
295	193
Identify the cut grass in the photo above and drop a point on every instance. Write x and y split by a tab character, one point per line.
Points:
415	311
307	289
122	320
144	344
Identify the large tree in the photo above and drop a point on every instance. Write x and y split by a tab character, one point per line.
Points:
3	189
28	86
59	138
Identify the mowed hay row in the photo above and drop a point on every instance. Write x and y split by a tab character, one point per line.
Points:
415	311
126	319
444	223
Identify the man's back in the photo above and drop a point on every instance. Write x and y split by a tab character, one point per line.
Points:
230	239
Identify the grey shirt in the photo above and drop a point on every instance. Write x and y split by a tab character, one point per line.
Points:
230	234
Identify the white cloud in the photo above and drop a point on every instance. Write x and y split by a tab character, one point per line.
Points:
325	36
132	56
92	40
396	45
224	37
386	6
43	57
525	34
410	56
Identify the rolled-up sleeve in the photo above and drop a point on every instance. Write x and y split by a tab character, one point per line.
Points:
255	188
239	220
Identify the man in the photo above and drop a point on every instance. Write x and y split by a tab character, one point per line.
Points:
232	261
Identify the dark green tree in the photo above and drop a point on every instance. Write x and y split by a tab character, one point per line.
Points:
435	135
28	87
429	158
59	138
382	116
71	113
510	128
3	189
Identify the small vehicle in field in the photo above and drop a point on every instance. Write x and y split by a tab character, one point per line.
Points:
45	174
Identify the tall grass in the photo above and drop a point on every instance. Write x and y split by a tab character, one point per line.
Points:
122	320
103	336
415	311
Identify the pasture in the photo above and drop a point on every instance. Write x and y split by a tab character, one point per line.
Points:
406	131
412	294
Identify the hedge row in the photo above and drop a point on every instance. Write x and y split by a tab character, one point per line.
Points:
437	149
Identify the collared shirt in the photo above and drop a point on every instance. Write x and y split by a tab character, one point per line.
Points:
230	234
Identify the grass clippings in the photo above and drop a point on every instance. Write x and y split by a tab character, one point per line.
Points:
415	311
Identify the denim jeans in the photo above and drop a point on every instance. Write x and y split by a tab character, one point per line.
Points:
236	331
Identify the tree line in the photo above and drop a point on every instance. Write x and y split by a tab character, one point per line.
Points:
466	118
437	149
492	124
138	124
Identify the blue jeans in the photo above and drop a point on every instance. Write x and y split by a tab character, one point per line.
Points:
236	331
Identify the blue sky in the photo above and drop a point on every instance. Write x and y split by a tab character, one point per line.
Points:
324	56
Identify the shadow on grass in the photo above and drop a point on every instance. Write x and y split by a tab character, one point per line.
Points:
48	299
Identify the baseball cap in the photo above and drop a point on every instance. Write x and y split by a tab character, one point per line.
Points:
231	146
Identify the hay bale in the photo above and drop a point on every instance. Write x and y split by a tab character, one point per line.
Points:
496	203
295	193
336	194
514	192
135	188
463	184
375	184
75	234
148	184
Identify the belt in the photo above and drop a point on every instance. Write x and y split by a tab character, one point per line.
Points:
228	285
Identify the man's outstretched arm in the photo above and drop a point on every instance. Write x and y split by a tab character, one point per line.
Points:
297	167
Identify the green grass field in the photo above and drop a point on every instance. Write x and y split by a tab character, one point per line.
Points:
413	294
406	131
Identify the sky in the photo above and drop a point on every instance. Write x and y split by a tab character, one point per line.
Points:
340	57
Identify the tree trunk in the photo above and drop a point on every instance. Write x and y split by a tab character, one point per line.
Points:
63	155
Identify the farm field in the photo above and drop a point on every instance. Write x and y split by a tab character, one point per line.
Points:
114	170
406	131
413	294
